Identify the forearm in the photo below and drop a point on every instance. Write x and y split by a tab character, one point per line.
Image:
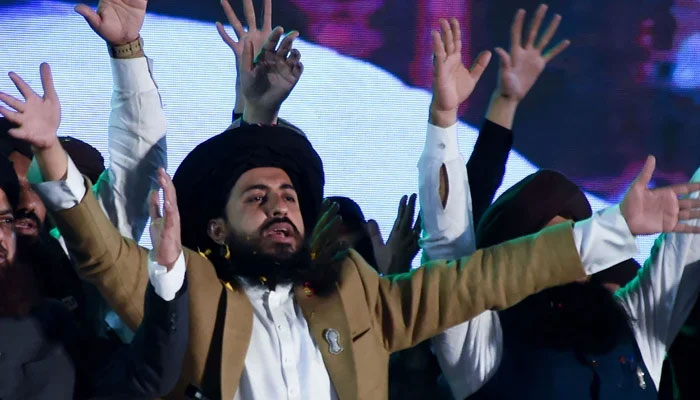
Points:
117	266
137	146
53	162
487	165
447	229
457	291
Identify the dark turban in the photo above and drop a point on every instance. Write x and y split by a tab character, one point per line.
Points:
8	182
87	159
350	212
8	144
529	205
206	176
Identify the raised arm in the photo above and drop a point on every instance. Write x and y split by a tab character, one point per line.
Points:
117	266
137	125
664	292
470	352
519	70
254	34
268	78
443	185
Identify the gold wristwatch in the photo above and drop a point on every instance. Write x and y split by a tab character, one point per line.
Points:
132	49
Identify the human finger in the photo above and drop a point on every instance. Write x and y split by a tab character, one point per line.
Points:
447	37
249	12
535	25
516	29
556	50
22	86
12	101
548	33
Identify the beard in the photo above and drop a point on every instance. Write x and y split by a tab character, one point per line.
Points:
18	290
280	264
584	317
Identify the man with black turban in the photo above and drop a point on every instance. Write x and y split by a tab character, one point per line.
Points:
571	341
269	318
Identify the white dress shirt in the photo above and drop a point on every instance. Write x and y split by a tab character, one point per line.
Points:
283	361
658	301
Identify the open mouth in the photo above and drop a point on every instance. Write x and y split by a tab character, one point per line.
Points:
26	226
280	231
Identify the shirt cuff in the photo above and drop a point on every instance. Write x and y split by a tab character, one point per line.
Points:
441	143
132	74
58	195
167	283
604	240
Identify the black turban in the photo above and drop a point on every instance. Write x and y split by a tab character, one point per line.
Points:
8	182
87	159
350	212
529	205
206	176
8	144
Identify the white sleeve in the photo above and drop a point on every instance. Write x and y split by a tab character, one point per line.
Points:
604	240
167	283
58	195
137	146
447	232
469	353
664	292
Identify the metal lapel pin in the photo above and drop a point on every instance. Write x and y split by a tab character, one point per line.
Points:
333	338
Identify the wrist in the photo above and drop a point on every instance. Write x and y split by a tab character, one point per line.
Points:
129	49
442	118
502	110
259	115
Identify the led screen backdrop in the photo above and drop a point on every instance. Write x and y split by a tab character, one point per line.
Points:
628	86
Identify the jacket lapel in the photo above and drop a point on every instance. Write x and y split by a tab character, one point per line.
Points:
238	327
329	327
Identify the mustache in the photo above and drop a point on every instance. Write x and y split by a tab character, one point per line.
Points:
278	220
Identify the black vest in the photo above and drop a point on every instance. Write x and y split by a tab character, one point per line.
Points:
563	365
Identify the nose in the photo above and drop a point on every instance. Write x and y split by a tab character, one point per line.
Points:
277	207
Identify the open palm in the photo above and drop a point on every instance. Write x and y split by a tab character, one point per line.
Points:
649	211
520	68
452	81
116	21
37	117
268	81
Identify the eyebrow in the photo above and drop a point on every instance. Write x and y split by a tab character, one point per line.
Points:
260	186
6	212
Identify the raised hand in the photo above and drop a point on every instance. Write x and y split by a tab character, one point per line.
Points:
399	251
165	229
520	68
649	211
255	35
324	238
37	117
116	21
268	81
452	81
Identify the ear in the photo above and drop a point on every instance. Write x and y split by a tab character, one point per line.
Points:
217	230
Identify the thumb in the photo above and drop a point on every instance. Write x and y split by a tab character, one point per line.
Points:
93	19
644	177
479	66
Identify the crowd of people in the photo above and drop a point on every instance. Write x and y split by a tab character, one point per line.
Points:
256	287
